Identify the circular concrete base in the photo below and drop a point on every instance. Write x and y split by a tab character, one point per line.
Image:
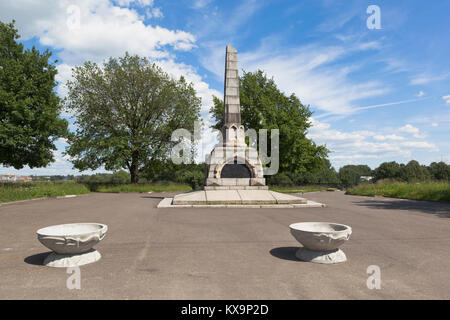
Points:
325	257
71	260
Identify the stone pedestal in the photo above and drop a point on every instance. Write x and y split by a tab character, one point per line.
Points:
71	260
323	257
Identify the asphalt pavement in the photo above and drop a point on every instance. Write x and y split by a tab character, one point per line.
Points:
224	253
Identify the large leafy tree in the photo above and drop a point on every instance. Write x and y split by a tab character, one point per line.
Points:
388	170
29	107
264	106
351	174
125	114
440	170
413	172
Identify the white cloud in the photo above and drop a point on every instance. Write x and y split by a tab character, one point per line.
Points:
365	145
386	104
409	129
412	130
64	74
141	3
423	145
202	88
62	141
435	124
446	98
426	78
394	137
154	13
421	94
198	4
314	74
104	29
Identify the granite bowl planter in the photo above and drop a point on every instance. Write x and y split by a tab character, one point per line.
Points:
321	241
72	244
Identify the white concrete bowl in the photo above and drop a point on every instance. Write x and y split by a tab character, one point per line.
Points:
72	243
321	241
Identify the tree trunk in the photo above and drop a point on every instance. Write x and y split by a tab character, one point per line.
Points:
134	170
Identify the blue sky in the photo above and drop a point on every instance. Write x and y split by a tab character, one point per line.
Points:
377	95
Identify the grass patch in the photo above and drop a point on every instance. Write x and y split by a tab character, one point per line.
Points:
300	189
436	191
10	191
149	187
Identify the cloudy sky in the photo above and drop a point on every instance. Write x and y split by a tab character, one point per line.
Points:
377	94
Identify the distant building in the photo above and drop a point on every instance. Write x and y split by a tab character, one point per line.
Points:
7	177
366	178
15	178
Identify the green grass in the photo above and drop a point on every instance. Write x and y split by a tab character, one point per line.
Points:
154	187
300	189
10	191
436	191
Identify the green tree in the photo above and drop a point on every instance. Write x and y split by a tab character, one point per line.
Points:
125	114
120	177
387	170
264	106
440	170
350	175
29	108
324	175
413	172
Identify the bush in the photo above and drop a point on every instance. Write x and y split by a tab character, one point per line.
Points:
194	179
437	191
280	179
120	177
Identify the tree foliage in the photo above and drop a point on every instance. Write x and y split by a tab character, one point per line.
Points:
29	108
350	175
412	171
387	170
440	170
264	106
125	114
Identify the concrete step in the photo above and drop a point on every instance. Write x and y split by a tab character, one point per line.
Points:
242	197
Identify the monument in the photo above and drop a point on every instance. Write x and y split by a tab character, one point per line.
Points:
234	172
232	164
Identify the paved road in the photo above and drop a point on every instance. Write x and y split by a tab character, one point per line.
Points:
152	253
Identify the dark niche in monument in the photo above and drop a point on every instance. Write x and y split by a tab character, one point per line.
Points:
235	170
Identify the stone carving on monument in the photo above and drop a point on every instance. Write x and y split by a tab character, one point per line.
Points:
232	164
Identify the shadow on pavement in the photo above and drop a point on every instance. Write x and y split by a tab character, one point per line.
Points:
285	253
440	209
37	259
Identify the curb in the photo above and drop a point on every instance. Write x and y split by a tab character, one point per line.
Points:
167	203
35	199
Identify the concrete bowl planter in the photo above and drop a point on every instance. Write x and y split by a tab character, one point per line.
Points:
72	244
321	241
